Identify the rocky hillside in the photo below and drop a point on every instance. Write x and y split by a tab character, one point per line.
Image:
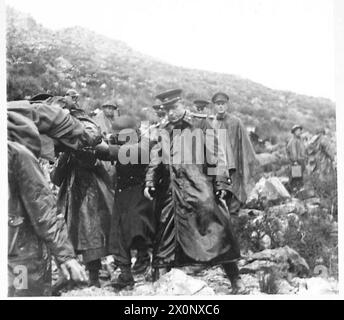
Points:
39	60
289	243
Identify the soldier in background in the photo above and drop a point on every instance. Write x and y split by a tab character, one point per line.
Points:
106	117
238	145
202	108
72	96
105	120
296	152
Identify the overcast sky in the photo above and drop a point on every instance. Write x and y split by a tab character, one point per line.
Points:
283	44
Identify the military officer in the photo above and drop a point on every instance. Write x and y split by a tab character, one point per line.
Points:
193	226
239	146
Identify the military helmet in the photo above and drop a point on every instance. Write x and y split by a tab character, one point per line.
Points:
111	104
295	127
72	93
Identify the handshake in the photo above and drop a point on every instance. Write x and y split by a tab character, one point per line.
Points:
102	150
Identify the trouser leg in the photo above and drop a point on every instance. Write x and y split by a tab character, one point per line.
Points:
93	268
232	271
142	259
122	255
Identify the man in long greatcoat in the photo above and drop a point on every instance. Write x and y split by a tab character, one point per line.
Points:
85	199
238	145
189	182
133	222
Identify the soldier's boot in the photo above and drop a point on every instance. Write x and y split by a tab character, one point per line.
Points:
93	268
125	279
94	278
238	286
62	284
142	262
195	270
232	272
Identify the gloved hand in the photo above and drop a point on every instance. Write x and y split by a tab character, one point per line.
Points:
71	269
101	151
102	147
149	193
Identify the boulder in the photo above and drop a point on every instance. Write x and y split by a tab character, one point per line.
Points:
251	283
258	266
284	287
316	286
312	205
177	282
266	158
313	201
265	242
283	260
283	172
305	193
267	191
293	206
284	180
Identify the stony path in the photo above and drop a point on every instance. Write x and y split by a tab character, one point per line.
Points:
214	278
212	281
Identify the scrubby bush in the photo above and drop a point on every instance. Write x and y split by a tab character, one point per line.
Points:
313	236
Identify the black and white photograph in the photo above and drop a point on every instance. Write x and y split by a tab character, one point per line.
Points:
168	148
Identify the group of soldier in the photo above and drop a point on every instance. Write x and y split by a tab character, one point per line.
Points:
174	214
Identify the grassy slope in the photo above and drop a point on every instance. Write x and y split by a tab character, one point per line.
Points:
39	59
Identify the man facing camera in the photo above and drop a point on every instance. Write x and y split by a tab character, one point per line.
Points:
189	182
